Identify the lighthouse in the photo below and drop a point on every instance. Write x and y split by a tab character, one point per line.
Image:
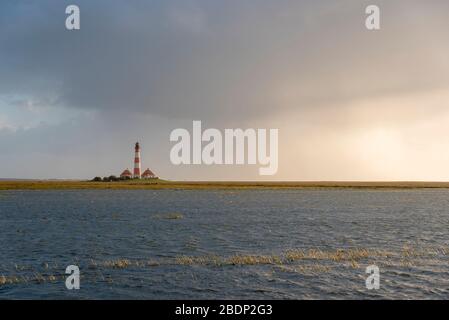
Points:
136	174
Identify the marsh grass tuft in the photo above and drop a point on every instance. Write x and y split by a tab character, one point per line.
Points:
34	278
118	264
253	260
337	255
170	216
200	260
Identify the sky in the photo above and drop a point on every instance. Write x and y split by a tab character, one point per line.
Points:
349	103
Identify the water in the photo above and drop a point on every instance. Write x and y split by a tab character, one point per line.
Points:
42	232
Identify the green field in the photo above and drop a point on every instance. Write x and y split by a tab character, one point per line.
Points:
165	184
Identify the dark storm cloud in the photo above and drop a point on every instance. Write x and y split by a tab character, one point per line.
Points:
214	59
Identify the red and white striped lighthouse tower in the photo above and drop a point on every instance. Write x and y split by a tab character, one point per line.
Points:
137	162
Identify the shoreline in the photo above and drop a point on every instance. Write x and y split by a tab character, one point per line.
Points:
210	185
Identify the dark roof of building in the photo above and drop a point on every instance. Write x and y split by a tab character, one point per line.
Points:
148	172
126	173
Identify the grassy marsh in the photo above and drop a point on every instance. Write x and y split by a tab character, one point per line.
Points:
159	184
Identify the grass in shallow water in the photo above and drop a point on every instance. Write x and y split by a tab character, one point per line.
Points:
303	261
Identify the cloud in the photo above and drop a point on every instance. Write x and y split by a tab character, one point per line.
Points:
138	69
218	60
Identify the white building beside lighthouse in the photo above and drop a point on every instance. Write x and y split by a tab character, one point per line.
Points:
148	174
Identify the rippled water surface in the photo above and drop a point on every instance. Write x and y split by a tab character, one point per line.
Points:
173	244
